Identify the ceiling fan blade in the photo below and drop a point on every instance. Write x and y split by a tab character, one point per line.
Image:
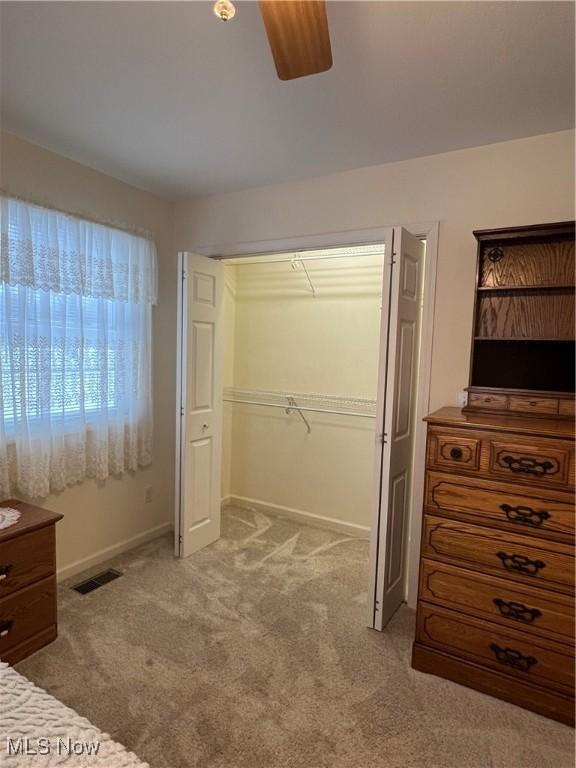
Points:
298	34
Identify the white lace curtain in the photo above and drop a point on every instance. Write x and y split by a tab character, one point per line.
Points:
75	349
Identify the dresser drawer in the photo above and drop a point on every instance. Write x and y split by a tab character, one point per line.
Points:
533	610
540	461
489	402
26	613
520	558
541	661
453	451
519	459
521	403
26	559
520	509
542	406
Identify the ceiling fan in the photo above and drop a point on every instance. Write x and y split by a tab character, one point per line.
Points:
297	32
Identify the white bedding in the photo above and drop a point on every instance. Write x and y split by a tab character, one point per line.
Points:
32	721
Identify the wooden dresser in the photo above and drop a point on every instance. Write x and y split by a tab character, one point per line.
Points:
496	595
27	582
496	606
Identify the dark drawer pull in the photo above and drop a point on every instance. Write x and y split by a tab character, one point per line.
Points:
520	563
513	658
528	465
517	611
456	453
525	515
4	571
5	627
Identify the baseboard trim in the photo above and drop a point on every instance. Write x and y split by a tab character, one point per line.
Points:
319	521
109	552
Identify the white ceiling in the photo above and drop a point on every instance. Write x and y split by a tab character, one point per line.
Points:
168	98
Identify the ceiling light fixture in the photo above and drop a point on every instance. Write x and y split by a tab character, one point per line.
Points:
297	32
224	9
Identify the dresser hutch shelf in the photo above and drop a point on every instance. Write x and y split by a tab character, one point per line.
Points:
522	357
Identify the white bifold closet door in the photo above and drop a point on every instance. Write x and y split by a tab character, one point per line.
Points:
397	391
199	414
199	403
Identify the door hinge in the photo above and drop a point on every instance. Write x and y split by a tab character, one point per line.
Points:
181	411
183	275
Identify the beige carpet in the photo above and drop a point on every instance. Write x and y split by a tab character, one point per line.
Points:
254	654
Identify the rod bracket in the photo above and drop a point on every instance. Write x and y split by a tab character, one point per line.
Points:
293	406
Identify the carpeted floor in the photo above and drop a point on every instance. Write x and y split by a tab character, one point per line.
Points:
254	654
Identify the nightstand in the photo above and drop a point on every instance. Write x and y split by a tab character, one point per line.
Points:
28	617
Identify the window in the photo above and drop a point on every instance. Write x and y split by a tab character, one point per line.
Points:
75	349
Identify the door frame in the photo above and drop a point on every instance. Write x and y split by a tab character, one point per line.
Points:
181	366
428	231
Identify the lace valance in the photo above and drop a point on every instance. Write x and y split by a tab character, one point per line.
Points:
52	251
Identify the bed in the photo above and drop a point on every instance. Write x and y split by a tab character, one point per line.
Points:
38	730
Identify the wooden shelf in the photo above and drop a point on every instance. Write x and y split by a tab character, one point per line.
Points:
523	288
525	313
527	262
556	340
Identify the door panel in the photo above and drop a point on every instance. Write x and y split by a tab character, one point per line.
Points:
200	403
201	376
403	404
396	530
397	389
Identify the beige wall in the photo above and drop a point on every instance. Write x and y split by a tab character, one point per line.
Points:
99	516
513	183
287	340
519	182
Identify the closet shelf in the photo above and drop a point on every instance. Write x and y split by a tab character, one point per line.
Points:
312	402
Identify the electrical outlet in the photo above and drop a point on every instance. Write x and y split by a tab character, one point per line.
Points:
461	399
148	494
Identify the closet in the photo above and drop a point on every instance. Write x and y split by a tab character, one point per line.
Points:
296	395
300	379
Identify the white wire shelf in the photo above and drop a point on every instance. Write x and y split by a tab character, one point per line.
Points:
312	402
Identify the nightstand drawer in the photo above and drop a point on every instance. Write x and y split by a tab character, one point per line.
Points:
26	559
507	603
540	661
520	558
26	613
516	508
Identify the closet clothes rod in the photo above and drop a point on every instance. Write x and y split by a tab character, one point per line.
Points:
237	261
300	408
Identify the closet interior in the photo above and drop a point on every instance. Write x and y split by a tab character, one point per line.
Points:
302	336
